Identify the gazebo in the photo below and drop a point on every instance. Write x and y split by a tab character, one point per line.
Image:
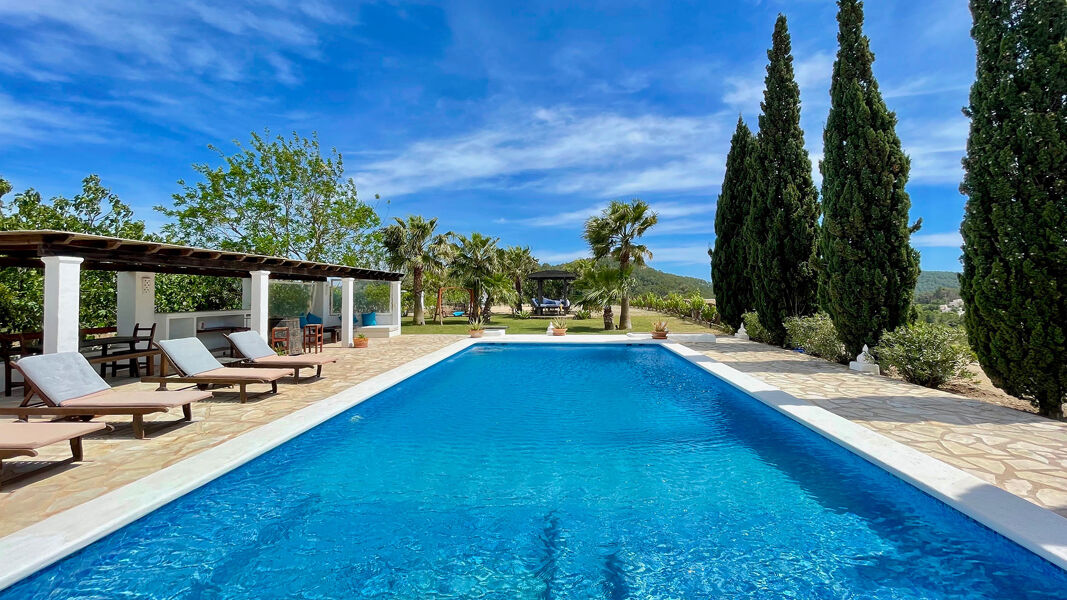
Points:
553	275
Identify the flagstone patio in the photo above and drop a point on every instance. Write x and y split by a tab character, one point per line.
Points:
1020	452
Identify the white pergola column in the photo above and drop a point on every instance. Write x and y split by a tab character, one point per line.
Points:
260	302
394	304
348	285
62	295
136	300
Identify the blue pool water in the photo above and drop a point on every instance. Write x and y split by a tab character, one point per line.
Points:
513	471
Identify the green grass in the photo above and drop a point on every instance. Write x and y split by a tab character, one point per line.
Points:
642	322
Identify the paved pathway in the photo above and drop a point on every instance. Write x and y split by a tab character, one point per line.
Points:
1018	451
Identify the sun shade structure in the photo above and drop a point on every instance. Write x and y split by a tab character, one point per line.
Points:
100	253
64	254
552	275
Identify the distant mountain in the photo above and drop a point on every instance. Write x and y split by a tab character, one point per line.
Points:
648	279
930	281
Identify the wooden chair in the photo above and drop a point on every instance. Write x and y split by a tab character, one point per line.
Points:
313	337
145	335
279	338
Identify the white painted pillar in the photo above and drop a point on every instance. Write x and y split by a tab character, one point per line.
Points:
394	304
62	296
348	285
260	300
136	300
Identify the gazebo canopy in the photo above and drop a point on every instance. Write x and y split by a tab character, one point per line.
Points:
101	253
553	275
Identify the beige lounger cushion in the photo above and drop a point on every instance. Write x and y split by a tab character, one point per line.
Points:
304	360
137	399
29	436
239	373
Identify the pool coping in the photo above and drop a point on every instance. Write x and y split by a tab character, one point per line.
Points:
32	548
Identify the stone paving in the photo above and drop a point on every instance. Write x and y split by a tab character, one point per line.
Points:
113	459
1020	452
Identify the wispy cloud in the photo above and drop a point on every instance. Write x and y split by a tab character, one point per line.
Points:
23	122
950	239
562	151
812	73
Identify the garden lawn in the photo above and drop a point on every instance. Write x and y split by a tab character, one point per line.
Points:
642	322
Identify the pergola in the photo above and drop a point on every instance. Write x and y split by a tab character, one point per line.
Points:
63	254
553	275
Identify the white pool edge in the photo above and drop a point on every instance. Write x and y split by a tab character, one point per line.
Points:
30	549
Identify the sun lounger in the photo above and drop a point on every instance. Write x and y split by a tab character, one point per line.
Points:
23	439
195	364
252	346
66	385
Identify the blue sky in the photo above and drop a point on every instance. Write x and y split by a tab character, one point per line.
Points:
514	119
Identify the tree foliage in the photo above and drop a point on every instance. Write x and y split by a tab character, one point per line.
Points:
729	260
277	196
414	246
476	261
781	223
615	233
517	262
1014	280
868	268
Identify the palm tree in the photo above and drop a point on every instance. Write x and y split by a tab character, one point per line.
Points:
517	263
600	286
498	288
476	260
615	233
413	246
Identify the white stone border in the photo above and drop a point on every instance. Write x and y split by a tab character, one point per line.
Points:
30	549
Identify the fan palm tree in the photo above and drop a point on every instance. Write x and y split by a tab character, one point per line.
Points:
498	289
615	233
415	247
601	287
476	260
517	263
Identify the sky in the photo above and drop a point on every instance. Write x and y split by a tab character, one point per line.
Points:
515	119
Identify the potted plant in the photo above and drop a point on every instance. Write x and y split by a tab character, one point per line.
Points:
476	328
361	341
559	327
659	330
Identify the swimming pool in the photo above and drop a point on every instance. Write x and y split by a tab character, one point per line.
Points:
568	471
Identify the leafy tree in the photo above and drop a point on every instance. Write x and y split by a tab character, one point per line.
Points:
498	288
868	269
476	260
96	210
729	260
600	286
413	246
781	223
615	233
1014	281
518	263
277	196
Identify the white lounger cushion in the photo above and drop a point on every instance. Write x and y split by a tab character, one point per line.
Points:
189	356
62	376
251	345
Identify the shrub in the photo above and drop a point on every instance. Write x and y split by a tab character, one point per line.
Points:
523	314
582	314
709	313
925	353
754	328
816	336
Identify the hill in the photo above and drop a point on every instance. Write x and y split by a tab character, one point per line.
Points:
930	281
648	279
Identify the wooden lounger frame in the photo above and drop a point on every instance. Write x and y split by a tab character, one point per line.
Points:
242	384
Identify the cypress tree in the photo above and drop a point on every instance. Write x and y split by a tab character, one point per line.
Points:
780	228
868	268
1014	281
729	259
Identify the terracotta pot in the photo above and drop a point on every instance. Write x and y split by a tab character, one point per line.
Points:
559	332
360	342
659	335
477	333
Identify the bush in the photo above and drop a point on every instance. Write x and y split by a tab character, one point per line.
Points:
816	336
925	353
754	328
582	314
523	314
709	313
